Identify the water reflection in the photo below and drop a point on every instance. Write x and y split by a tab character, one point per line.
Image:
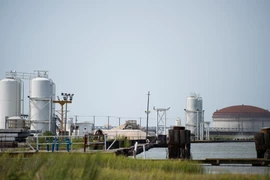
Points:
218	150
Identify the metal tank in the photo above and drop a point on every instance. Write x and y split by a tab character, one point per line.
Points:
10	99
191	114
194	114
41	104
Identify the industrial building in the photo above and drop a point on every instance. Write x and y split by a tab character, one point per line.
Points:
241	118
130	130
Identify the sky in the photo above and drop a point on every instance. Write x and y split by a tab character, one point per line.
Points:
111	53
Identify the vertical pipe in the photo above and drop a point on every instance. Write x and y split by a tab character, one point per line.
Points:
37	143
165	122
119	122
105	142
197	127
22	97
140	122
85	143
50	113
135	149
208	131
66	119
62	117
76	131
185	118
144	155
70	143
157	125
29	108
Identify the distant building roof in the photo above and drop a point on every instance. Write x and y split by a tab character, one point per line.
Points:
241	110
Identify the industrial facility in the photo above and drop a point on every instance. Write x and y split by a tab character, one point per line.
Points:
41	117
195	118
241	119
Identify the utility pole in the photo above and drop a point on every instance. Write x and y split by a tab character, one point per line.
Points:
94	121
147	113
108	122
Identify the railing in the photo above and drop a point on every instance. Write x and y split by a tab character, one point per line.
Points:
54	143
8	142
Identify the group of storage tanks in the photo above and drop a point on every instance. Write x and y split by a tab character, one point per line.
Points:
195	116
41	107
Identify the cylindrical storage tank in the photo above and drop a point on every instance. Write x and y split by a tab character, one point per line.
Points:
194	115
41	92
10	99
177	122
192	103
191	114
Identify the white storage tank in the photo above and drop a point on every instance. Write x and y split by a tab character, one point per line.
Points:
10	99
194	114
42	90
191	114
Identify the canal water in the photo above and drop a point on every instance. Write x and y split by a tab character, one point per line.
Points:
218	150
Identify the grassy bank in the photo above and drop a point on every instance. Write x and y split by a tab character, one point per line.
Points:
102	166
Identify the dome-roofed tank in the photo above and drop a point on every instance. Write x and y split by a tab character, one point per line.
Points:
241	118
40	113
10	99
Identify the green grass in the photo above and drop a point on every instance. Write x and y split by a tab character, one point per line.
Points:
103	166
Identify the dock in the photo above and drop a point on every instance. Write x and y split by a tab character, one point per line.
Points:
251	161
127	151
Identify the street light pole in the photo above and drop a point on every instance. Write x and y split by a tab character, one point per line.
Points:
66	119
67	98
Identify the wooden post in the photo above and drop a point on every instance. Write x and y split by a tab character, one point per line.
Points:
85	142
179	143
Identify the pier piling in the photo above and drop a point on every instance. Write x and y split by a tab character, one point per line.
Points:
179	143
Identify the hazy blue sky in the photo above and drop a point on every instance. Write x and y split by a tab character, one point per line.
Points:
110	53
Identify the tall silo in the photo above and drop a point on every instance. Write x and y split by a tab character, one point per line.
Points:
194	114
41	104
10	99
191	114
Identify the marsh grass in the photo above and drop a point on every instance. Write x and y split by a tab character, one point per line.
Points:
103	166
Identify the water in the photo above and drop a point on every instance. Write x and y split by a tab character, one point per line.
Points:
218	150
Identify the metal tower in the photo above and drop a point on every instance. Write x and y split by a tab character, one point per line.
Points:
161	121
